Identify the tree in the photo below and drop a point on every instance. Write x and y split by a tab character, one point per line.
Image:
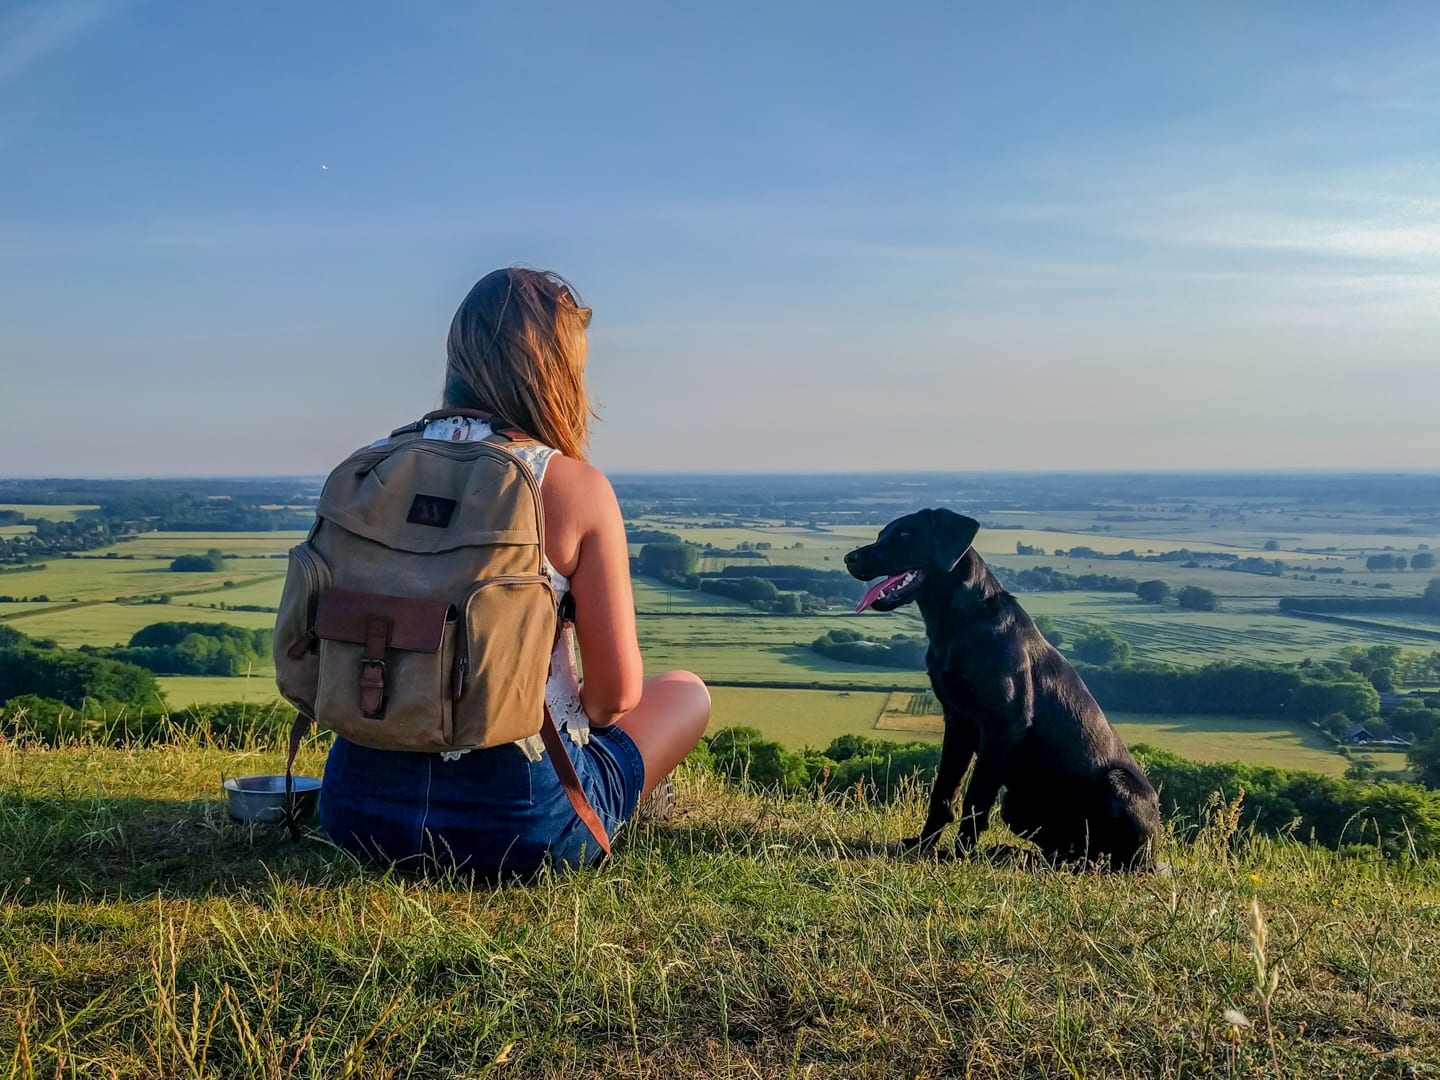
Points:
758	592
1424	758
1153	592
1314	700
1272	545
742	753
1336	724
657	559
209	563
1414	721
1401	562
1380	562
1361	769
1194	598
786	604
74	678
1422	560
1101	647
1432	592
1048	630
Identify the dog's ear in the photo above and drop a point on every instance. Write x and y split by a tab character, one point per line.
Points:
953	533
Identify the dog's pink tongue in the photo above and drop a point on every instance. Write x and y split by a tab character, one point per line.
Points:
873	593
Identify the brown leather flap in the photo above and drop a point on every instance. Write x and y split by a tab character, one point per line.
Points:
415	625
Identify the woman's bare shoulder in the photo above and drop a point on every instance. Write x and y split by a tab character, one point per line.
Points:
579	494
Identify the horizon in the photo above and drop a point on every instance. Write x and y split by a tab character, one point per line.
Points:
979	241
678	474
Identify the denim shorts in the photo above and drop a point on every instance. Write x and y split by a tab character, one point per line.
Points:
493	812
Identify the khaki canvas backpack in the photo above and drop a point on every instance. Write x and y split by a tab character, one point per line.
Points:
419	614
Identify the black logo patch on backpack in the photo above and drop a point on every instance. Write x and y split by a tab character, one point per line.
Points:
431	510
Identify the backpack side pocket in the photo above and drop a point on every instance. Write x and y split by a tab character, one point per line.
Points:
296	645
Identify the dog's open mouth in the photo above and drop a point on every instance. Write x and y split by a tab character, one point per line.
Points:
891	592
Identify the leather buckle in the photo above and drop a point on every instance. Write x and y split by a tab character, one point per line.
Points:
372	687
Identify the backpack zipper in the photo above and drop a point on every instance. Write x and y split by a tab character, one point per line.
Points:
462	637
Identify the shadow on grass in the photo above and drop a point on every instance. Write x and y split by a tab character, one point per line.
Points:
771	837
79	849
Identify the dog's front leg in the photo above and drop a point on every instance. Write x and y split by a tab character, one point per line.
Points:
982	791
955	755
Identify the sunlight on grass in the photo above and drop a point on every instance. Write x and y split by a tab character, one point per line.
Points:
144	934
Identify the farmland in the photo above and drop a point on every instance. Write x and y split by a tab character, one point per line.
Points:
764	671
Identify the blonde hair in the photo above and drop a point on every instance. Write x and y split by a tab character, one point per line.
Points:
517	350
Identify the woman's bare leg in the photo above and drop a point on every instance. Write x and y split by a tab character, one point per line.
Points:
667	724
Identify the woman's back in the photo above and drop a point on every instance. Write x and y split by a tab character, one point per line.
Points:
517	350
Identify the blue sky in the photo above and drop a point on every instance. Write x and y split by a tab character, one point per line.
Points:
816	236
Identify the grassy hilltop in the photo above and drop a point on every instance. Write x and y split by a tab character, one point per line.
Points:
143	934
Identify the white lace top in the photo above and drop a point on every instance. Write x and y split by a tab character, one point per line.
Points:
562	690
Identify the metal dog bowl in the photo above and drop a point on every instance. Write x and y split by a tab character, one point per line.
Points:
262	798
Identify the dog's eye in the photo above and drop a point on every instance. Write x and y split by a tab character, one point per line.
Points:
903	534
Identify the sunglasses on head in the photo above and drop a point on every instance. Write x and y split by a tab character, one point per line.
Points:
585	312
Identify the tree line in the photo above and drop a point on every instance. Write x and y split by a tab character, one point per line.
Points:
898	651
40	670
1428	603
192	648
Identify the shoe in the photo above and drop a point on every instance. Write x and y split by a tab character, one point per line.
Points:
659	804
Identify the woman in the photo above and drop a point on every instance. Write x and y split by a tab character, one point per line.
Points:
517	350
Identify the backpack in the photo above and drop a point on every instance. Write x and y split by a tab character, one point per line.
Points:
419	614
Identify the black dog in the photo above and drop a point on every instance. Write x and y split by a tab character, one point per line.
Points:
1010	701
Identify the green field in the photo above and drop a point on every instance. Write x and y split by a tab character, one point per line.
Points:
725	641
804	718
71	625
42	512
184	691
1192	638
64	580
170	544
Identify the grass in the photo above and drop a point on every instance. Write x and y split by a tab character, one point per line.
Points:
142	934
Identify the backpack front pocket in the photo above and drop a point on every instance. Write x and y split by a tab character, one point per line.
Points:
296	646
507	634
386	669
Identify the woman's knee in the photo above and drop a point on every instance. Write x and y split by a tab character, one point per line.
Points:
690	694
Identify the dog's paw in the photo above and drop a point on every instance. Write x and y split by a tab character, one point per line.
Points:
922	846
1004	855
